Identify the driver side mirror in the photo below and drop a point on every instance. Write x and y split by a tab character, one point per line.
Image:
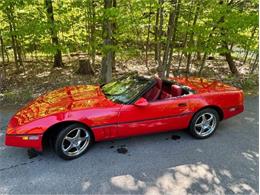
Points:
142	102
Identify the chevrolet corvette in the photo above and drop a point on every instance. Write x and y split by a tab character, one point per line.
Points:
72	118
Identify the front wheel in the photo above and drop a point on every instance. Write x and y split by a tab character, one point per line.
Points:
73	141
204	123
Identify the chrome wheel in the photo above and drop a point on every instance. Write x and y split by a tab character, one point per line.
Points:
205	124
75	142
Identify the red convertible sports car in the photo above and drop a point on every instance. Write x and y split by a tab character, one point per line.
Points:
72	118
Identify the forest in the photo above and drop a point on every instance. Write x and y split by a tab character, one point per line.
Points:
46	44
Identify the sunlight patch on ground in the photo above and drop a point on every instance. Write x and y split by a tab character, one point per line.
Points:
199	150
251	156
226	173
180	179
4	190
127	182
24	74
85	185
2	148
43	74
250	119
241	188
184	179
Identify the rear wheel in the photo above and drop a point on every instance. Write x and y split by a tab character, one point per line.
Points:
204	123
73	141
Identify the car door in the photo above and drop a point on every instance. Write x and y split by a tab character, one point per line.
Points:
157	116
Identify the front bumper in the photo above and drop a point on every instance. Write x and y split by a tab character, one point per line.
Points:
26	141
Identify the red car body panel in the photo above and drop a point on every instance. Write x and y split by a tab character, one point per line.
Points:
108	120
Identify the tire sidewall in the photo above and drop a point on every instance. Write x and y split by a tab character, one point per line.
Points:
195	117
60	137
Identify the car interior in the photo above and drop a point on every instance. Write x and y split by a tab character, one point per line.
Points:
164	89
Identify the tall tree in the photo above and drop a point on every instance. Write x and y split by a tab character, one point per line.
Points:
158	32
92	30
225	44
54	34
108	49
12	29
114	27
147	44
191	41
2	52
187	27
168	65
170	34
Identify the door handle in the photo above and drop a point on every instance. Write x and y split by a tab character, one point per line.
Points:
182	104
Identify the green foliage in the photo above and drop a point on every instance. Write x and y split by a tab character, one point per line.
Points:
74	20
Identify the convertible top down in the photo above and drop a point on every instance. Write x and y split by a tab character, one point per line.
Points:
72	118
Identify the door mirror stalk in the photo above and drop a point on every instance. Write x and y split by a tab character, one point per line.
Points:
142	102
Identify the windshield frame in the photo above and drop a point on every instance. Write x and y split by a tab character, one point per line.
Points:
138	95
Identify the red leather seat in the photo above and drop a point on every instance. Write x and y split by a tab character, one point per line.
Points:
176	90
165	95
155	92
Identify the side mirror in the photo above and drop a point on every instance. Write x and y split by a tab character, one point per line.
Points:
142	102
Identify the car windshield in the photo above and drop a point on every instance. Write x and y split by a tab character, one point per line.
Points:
127	89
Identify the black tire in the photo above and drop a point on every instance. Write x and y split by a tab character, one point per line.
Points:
193	130
69	131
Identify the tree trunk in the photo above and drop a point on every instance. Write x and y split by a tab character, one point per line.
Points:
9	14
113	39
7	56
170	32
90	20
158	32
227	53
147	44
2	81
230	61
92	35
191	42
53	32
186	36
255	63
198	56
2	53
177	11
85	67
156	29
203	63
19	53
17	43
107	59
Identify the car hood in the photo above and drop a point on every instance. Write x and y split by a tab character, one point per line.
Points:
62	100
202	85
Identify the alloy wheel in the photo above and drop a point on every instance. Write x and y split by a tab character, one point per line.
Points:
205	124
75	142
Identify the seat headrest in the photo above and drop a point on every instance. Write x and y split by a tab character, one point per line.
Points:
155	92
176	90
